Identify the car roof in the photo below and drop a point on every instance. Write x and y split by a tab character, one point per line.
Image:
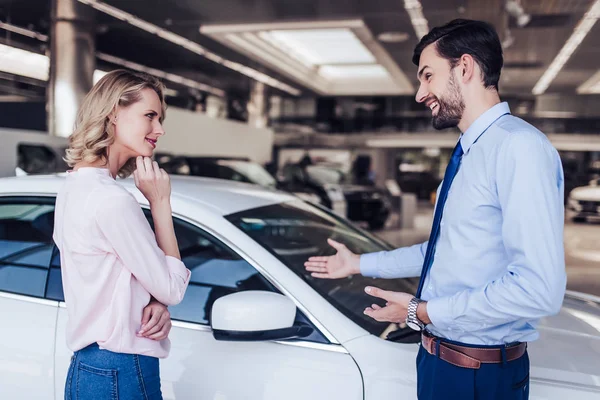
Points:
220	196
245	159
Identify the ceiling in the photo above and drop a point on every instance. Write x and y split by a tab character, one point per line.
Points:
533	49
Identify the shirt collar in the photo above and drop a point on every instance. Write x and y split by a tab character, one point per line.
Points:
90	171
481	124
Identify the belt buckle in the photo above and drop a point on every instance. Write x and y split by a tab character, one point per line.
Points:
431	344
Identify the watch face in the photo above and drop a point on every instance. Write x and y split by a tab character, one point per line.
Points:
413	326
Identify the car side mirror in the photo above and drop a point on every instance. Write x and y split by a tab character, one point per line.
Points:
255	316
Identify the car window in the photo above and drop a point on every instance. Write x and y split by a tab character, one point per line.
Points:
38	159
174	165
230	174
25	245
324	176
216	271
295	231
252	172
292	174
54	288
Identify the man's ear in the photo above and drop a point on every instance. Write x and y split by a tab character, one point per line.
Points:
467	68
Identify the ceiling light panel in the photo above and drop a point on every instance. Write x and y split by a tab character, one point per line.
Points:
325	56
325	46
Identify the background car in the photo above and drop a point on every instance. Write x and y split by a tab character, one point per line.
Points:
231	168
294	337
584	202
364	203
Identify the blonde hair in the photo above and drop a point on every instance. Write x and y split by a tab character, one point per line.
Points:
93	132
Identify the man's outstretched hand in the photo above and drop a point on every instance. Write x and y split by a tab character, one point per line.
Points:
341	265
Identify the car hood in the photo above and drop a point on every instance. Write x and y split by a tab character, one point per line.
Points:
569	345
565	360
586	193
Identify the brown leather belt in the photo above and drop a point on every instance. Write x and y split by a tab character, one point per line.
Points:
469	357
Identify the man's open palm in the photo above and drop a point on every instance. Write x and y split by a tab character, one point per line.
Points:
344	263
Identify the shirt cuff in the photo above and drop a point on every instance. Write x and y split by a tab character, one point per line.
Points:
368	265
177	267
439	313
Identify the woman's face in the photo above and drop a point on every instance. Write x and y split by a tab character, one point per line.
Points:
138	127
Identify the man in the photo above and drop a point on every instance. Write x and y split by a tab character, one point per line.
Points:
494	262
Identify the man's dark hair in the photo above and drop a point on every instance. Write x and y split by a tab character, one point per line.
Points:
462	36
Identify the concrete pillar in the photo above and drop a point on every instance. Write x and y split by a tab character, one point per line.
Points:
383	163
275	108
72	63
216	107
257	105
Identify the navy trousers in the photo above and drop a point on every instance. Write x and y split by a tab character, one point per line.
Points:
440	380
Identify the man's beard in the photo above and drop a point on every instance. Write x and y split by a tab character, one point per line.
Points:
450	108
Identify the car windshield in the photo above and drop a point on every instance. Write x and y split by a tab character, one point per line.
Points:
254	172
324	176
296	230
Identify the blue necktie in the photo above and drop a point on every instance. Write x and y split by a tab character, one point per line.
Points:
435	230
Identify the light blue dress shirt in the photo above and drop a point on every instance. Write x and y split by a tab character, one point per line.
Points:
499	263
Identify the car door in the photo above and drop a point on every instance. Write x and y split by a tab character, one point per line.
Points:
28	320
200	367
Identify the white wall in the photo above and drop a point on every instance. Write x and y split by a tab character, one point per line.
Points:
197	134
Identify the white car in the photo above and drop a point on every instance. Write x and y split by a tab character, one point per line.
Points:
584	202
277	333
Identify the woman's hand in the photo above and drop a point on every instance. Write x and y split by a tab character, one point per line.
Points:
156	321
152	181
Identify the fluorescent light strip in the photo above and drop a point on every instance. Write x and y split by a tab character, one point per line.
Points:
583	28
161	74
23	31
591	86
418	20
41	71
24	63
189	45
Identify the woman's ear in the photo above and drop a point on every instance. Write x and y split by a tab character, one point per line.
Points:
112	117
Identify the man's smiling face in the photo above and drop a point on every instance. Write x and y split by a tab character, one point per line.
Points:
438	89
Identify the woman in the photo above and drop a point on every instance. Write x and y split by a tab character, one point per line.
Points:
112	263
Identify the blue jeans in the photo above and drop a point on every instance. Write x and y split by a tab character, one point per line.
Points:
440	380
96	374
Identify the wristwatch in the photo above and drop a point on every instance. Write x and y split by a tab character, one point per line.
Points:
411	318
